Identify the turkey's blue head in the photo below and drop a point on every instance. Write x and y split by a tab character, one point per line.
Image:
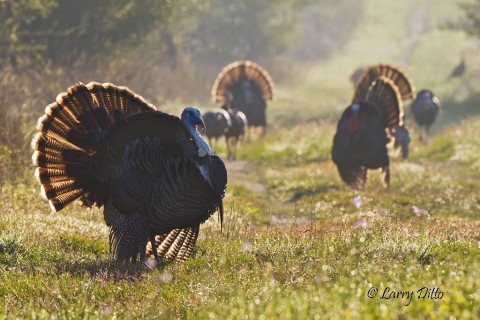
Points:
355	108
352	125
192	116
191	119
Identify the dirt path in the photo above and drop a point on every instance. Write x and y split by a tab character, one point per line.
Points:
417	28
241	172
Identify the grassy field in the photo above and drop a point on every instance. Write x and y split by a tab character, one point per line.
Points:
296	243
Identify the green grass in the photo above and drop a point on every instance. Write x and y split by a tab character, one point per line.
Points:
322	268
293	245
301	249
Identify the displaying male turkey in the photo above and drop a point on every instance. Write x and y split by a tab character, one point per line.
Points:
151	171
425	109
360	142
398	135
251	86
399	78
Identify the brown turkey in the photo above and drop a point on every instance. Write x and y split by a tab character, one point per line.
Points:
250	86
398	76
397	134
360	142
151	171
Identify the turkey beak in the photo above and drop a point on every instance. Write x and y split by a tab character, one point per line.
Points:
200	126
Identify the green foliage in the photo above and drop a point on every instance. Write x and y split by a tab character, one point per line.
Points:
317	34
441	148
471	22
247	29
289	146
17	122
16	16
65	31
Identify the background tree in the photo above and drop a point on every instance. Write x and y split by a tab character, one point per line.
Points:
63	32
471	23
16	16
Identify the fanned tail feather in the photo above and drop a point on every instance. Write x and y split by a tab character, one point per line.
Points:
399	78
69	136
118	101
48	150
384	95
241	70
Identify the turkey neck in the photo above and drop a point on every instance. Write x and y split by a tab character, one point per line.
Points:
202	146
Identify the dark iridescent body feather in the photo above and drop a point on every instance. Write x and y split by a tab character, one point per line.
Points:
360	142
106	146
